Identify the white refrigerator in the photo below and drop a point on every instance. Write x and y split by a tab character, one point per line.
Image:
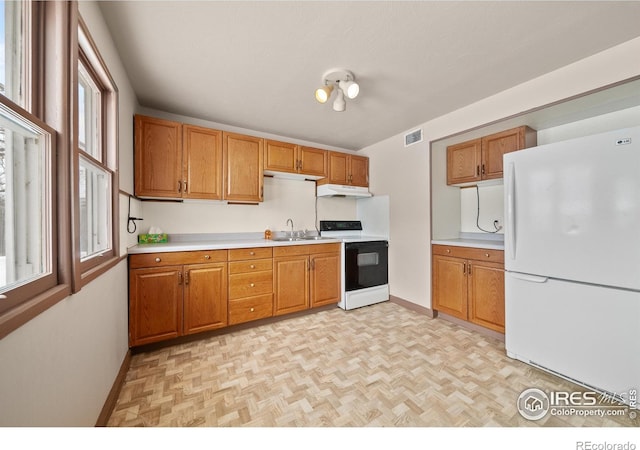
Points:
572	259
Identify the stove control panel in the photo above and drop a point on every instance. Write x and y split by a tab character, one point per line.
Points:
340	225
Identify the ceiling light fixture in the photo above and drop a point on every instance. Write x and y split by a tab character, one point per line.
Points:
344	80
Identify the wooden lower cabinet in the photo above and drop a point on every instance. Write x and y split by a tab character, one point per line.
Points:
155	304
173	294
324	278
468	284
305	276
486	295
205	295
168	300
250	284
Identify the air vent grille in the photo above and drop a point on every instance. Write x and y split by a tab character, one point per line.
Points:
413	137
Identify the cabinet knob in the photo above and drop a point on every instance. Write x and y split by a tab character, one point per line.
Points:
252	309
252	266
158	259
252	253
207	257
448	251
252	285
486	254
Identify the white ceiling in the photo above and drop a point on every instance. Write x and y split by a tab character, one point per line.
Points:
256	64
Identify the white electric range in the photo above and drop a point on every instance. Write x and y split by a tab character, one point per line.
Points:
365	272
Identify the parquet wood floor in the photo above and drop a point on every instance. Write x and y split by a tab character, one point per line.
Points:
382	365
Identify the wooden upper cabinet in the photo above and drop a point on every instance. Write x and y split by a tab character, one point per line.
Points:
481	159
313	161
243	162
496	145
158	157
295	159
338	168
280	156
359	170
173	160
463	162
347	169
202	163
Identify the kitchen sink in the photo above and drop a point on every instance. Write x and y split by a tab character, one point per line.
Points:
297	238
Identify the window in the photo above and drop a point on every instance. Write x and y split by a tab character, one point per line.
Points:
56	227
96	154
26	239
15	29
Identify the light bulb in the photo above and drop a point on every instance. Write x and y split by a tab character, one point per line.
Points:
323	93
350	88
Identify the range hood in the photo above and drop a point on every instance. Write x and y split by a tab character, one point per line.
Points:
339	190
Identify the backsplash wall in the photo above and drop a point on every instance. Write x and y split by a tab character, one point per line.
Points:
491	208
283	199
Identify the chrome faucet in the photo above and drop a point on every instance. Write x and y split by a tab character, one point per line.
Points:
289	220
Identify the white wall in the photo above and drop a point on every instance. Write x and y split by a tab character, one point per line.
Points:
58	368
403	173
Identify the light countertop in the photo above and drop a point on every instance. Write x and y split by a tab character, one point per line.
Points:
490	242
218	241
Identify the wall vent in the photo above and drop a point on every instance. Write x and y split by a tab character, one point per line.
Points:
413	137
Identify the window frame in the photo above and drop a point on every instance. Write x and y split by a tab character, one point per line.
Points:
88	54
21	294
47	105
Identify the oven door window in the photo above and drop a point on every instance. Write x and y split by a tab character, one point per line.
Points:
365	264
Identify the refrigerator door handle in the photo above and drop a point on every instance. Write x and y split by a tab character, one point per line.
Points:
510	229
530	278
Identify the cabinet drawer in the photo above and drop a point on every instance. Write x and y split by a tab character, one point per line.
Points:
249	266
251	308
239	254
250	284
479	254
176	258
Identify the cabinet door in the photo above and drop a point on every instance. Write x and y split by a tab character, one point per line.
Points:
243	168
281	157
359	171
325	279
158	157
464	161
313	161
338	169
205	297
450	286
155	304
486	295
202	163
496	145
290	284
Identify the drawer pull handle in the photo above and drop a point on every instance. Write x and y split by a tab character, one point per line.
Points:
207	257
486	254
253	266
252	253
158	259
252	309
252	285
448	251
